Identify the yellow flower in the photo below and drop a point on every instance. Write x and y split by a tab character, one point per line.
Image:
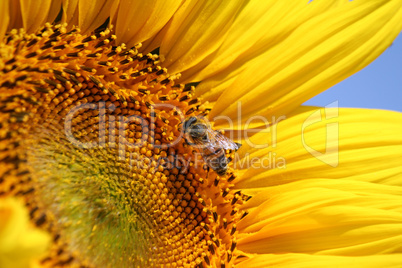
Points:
92	121
21	245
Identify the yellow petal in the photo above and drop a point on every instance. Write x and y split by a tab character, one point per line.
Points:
70	12
15	15
138	21
310	261
36	13
4	17
325	217
196	31
356	144
20	243
92	14
272	22
88	15
321	52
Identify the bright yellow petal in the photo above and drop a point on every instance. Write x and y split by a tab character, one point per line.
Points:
138	21
325	217
36	13
343	192
310	261
20	244
356	144
196	31
272	22
321	52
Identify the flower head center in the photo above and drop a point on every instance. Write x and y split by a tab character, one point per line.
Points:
92	135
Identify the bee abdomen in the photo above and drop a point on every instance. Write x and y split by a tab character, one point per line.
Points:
219	163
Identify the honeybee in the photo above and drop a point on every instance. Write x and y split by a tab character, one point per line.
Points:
211	144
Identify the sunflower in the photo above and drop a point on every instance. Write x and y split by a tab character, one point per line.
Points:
95	97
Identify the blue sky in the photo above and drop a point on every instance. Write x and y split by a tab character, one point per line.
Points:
378	86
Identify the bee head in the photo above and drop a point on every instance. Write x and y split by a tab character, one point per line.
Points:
189	122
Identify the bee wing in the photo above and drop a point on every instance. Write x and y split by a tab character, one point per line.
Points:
221	141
